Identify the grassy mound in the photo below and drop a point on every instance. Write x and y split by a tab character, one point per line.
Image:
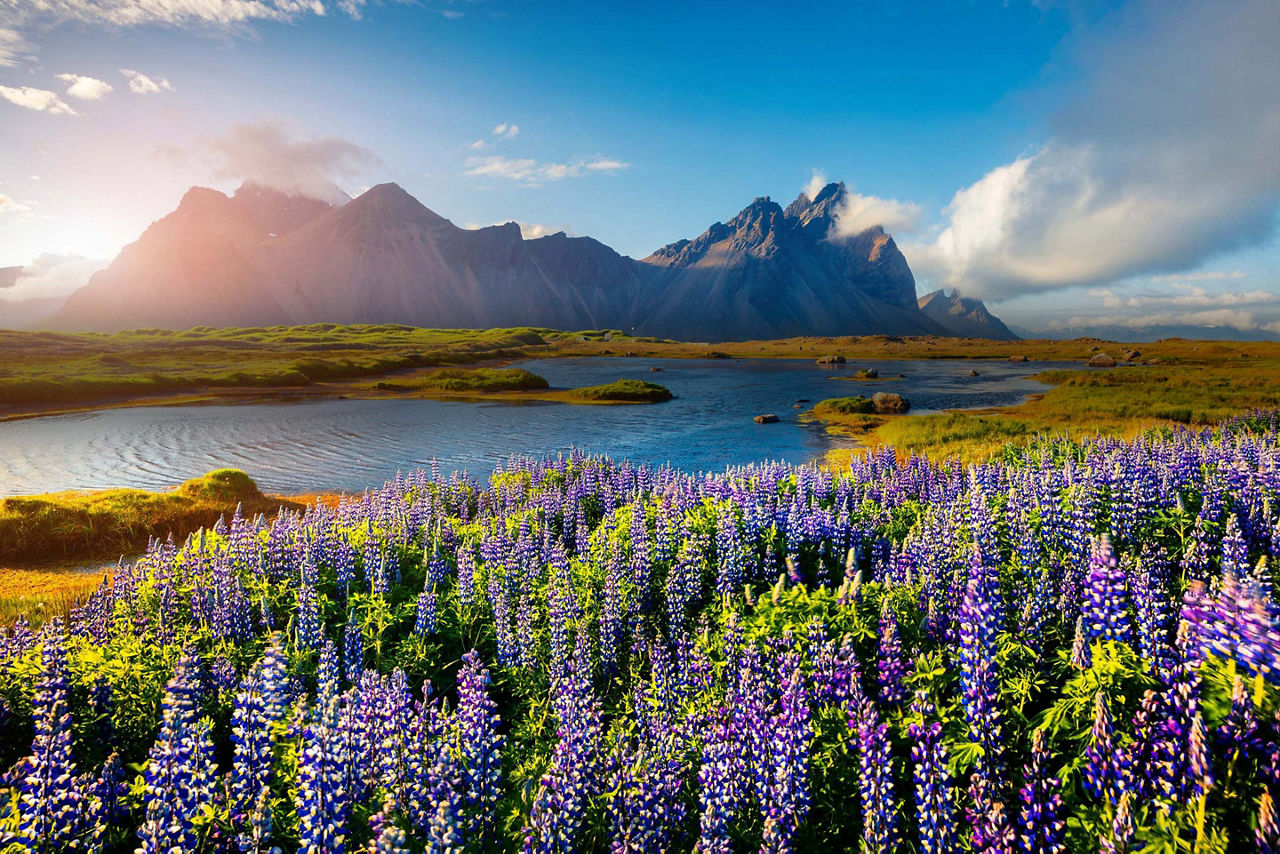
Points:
858	405
632	391
463	379
90	526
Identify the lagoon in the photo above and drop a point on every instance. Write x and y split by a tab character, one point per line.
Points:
348	445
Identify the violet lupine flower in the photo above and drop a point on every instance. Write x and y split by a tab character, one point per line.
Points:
353	650
1081	654
308	631
1040	824
893	663
480	746
559	809
50	792
1104	775
787	801
1268	832
1235	551
645	808
992	831
1106	603
1199	762
425	622
1239	732
934	807
324	795
180	776
1121	837
720	785
1235	624
875	763
106	802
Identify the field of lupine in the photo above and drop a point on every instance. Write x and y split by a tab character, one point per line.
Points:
1072	648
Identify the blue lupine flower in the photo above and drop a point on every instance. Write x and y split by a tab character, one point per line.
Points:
50	794
1040	824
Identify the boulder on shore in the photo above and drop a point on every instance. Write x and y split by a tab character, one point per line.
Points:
868	374
974	374
1102	360
769	418
655	370
1133	355
1018	358
888	403
830	360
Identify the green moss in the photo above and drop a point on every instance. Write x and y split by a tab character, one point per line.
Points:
845	406
464	379
625	390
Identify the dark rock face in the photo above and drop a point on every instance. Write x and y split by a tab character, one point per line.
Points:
964	318
260	257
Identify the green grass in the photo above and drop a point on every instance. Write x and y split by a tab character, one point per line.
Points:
96	526
858	405
632	391
468	379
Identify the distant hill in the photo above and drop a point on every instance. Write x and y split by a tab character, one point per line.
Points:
261	257
1129	334
964	318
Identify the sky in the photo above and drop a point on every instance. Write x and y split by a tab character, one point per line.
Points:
1071	163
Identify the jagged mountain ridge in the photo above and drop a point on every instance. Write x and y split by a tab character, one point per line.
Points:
261	257
963	317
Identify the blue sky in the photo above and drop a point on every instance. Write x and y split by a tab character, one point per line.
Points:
1002	142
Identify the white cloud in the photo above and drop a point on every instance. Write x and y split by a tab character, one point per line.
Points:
506	131
1165	156
857	213
479	145
1199	277
51	275
814	185
12	206
267	153
42	100
13	47
531	172
534	230
221	14
141	84
85	88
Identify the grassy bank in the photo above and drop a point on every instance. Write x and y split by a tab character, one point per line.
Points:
97	526
624	391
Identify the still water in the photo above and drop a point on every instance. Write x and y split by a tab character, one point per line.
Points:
353	444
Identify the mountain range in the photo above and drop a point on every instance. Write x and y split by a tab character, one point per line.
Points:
261	257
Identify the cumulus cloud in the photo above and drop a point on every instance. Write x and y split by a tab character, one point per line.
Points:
816	182
1165	156
41	100
267	153
531	172
857	213
506	131
85	88
534	230
141	84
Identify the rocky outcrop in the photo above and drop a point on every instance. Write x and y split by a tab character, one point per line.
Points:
964	318
890	404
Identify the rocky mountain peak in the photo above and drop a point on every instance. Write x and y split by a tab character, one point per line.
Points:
964	317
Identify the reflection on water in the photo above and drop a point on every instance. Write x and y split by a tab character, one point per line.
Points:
353	444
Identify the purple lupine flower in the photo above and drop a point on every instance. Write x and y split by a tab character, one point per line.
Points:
875	762
1106	604
480	747
425	622
353	650
1199	761
645	809
106	801
992	831
1235	551
1040	824
324	797
1121	837
893	663
1104	775
1081	654
787	801
180	776
720	785
50	794
1239	732
934	806
1268	832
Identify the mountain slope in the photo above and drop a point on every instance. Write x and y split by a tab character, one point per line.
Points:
964	318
